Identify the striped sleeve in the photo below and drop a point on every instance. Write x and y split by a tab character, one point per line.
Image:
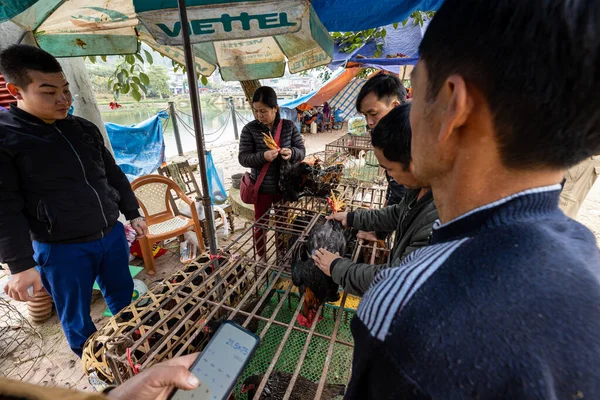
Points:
393	288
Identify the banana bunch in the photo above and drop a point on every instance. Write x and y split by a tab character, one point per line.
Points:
270	142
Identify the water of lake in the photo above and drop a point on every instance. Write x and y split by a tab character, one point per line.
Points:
218	126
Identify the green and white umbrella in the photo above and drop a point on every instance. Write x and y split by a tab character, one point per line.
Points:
246	40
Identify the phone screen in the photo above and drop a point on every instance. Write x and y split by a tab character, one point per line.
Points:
221	363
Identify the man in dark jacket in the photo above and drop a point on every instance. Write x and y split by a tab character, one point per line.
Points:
378	96
505	301
412	219
60	196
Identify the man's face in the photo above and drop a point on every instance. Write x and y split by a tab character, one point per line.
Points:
425	125
396	170
47	96
374	109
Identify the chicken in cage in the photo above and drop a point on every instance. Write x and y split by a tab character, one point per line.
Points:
308	179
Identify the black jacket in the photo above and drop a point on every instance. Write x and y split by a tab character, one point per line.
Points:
395	192
58	184
252	149
412	221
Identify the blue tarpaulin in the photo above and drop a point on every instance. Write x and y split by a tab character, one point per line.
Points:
355	15
402	44
140	148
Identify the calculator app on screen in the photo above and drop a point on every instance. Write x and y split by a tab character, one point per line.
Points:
221	363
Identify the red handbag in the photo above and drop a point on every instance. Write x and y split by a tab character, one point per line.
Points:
249	189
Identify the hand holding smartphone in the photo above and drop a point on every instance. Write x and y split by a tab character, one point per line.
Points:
221	363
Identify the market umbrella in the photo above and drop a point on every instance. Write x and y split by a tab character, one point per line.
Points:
245	43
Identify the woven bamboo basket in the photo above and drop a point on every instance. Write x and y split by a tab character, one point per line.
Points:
154	327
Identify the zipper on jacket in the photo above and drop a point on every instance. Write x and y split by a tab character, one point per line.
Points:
84	176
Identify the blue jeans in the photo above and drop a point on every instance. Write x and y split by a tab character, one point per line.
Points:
68	273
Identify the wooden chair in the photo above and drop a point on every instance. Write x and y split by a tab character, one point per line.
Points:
183	175
154	193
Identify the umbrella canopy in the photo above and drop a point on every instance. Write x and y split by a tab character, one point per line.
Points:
245	42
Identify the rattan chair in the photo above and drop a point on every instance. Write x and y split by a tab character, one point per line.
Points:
154	193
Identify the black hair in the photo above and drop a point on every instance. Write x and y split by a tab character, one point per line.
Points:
384	86
17	60
393	135
265	95
536	63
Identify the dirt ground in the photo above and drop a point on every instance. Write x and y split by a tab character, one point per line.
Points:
57	365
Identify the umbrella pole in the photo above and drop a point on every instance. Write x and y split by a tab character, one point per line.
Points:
198	129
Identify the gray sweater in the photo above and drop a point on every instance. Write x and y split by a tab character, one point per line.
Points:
411	219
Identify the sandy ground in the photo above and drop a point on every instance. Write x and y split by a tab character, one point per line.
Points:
59	366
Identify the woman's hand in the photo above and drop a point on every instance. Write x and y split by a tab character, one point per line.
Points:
286	153
270	155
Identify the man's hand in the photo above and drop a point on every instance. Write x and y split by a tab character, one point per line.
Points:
270	155
157	382
286	153
140	227
368	236
340	217
18	284
323	259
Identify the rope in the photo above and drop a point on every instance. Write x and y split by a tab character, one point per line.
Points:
242	118
227	109
191	130
166	124
222	133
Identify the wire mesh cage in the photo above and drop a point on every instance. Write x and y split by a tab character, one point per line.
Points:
20	343
357	156
354	197
251	286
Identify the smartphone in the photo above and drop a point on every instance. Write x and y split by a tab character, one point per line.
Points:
221	363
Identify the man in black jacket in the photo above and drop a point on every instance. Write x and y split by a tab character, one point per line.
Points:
412	219
60	196
378	96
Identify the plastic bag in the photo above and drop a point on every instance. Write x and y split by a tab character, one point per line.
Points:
217	192
357	126
187	251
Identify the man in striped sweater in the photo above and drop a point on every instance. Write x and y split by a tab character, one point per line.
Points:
505	303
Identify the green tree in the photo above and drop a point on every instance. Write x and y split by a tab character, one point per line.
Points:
158	84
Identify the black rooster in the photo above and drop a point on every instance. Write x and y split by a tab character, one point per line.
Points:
310	280
303	179
212	325
278	383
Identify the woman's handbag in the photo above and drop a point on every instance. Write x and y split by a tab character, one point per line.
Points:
249	189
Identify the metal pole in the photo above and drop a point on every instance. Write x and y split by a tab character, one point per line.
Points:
198	129
235	130
175	128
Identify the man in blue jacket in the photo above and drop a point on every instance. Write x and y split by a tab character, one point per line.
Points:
505	302
60	196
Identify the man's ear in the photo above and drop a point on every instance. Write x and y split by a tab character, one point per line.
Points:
459	105
14	91
395	103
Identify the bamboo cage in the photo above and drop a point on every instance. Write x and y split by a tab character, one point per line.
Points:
251	286
357	156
